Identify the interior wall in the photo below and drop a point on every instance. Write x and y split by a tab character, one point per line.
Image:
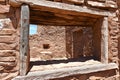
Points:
48	43
97	39
61	43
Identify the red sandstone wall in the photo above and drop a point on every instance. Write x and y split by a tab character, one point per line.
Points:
54	36
63	42
9	52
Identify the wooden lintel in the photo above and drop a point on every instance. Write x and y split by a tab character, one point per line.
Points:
24	40
60	7
63	72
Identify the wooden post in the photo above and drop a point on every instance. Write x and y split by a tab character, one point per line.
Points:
24	40
104	40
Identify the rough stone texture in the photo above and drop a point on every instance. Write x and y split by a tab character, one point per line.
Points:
54	37
8	52
118	13
113	39
59	40
61	45
2	1
79	41
104	4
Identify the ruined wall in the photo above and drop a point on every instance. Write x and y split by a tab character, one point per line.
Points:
9	51
108	5
9	41
9	44
62	41
79	41
48	43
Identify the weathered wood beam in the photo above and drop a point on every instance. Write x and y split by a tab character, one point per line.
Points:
60	7
61	22
45	17
63	72
104	40
24	39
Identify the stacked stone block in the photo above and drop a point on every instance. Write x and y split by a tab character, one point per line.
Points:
8	52
9	36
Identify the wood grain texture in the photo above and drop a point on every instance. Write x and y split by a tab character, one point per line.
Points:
58	73
104	40
24	40
56	6
60	14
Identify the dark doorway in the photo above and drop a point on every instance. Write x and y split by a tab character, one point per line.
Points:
83	43
77	43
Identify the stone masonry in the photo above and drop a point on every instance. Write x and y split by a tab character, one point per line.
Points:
58	45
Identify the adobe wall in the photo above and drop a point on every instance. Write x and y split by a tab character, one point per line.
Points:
9	42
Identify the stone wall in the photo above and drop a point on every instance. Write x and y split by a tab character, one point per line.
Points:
79	41
101	4
118	13
9	40
48	43
63	42
9	51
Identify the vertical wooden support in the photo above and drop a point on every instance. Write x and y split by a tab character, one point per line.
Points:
104	40
24	39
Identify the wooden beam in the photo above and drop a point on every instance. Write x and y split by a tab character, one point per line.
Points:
45	17
60	7
63	72
24	39
104	40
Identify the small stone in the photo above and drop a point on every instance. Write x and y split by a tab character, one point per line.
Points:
7	59
7	39
1	68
